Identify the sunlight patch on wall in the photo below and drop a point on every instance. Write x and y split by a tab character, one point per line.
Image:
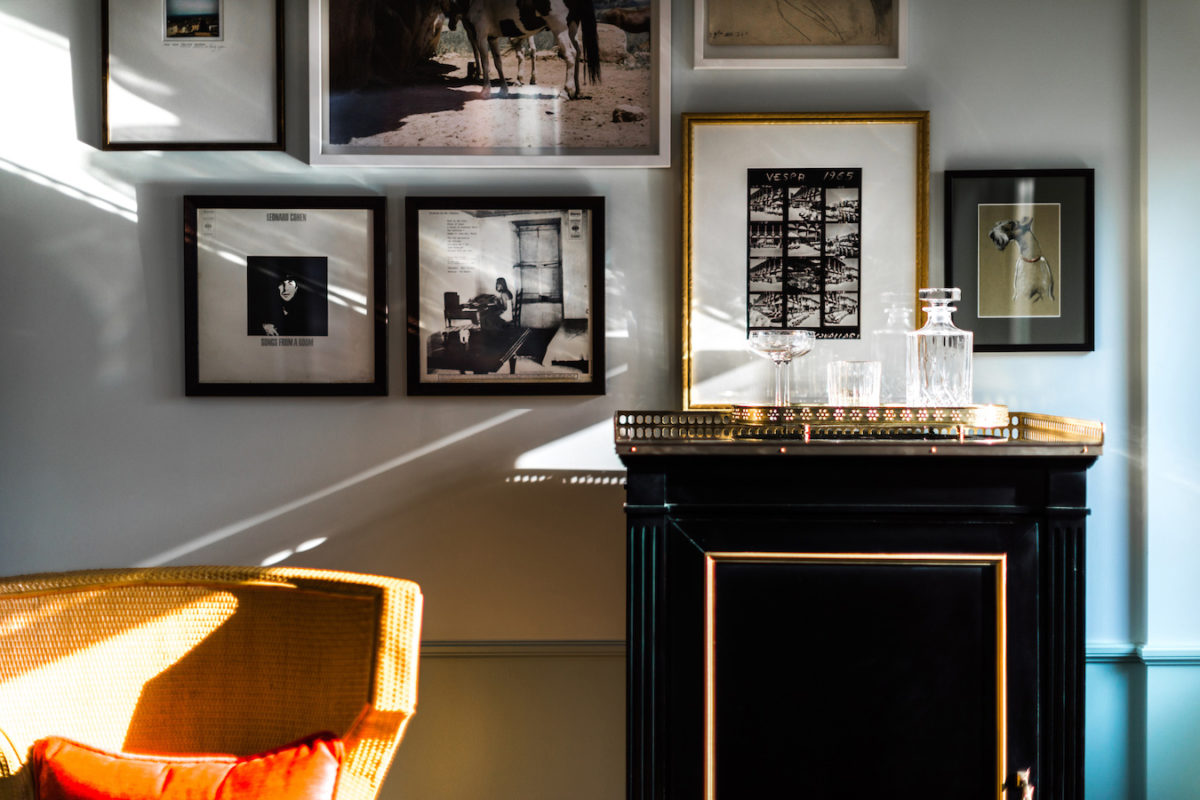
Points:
249	524
284	555
588	450
713	329
48	153
136	110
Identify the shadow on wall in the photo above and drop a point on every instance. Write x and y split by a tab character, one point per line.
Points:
498	554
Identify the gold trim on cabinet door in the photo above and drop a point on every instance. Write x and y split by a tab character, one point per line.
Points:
998	561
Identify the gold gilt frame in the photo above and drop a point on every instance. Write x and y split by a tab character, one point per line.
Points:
998	562
892	151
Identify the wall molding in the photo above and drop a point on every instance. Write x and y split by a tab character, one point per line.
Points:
530	648
1112	653
1169	655
1098	653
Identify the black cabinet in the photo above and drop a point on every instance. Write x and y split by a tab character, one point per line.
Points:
879	620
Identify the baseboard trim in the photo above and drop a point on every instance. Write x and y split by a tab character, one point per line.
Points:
1112	653
1169	656
564	648
1102	653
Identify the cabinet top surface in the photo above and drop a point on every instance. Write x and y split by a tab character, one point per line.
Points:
717	432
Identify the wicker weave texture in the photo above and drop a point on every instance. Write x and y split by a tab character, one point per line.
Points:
209	659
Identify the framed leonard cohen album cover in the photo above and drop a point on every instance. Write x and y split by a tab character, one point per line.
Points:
285	295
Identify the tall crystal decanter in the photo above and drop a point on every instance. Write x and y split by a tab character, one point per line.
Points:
889	346
939	355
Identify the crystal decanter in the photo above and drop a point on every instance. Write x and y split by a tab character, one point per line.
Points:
939	355
889	346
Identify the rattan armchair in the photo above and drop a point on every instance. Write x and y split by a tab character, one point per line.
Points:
208	660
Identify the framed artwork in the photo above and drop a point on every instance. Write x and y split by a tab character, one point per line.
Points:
285	295
421	88
505	295
1020	245
192	74
798	221
800	34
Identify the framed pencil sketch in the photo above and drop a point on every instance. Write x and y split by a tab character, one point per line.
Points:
420	88
285	295
192	74
1019	243
798	221
800	34
505	295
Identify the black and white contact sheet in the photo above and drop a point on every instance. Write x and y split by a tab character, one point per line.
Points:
804	250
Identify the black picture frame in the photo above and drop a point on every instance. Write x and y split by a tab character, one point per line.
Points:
161	90
1020	244
247	332
505	295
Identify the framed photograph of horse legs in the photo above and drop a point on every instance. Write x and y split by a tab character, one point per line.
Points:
472	83
1019	243
505	295
192	74
285	295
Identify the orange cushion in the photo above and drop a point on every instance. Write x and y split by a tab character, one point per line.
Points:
303	770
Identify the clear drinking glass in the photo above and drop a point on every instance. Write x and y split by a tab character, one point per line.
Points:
853	383
781	347
939	355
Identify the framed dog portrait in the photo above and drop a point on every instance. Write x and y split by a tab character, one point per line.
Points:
578	83
505	295
1019	243
800	34
285	295
813	222
192	74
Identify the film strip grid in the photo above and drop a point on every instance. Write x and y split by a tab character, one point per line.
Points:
804	250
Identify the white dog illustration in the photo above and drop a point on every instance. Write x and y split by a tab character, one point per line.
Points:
1032	277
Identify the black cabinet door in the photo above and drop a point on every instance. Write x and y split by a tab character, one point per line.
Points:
845	656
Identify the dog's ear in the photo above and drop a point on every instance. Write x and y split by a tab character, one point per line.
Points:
1026	222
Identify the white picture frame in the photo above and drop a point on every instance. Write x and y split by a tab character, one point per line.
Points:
341	137
789	49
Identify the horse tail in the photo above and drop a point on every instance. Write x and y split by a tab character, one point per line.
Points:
586	13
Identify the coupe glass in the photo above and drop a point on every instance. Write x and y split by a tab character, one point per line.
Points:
781	347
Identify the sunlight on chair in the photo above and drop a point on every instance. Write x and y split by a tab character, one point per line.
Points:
79	693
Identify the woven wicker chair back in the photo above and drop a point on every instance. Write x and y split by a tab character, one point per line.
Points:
207	660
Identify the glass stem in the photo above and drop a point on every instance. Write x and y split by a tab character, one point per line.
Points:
782	385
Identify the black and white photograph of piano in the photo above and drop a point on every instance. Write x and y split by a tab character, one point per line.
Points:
505	295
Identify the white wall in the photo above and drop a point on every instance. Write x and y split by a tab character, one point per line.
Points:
508	511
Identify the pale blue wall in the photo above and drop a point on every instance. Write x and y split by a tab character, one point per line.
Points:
103	462
1172	270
